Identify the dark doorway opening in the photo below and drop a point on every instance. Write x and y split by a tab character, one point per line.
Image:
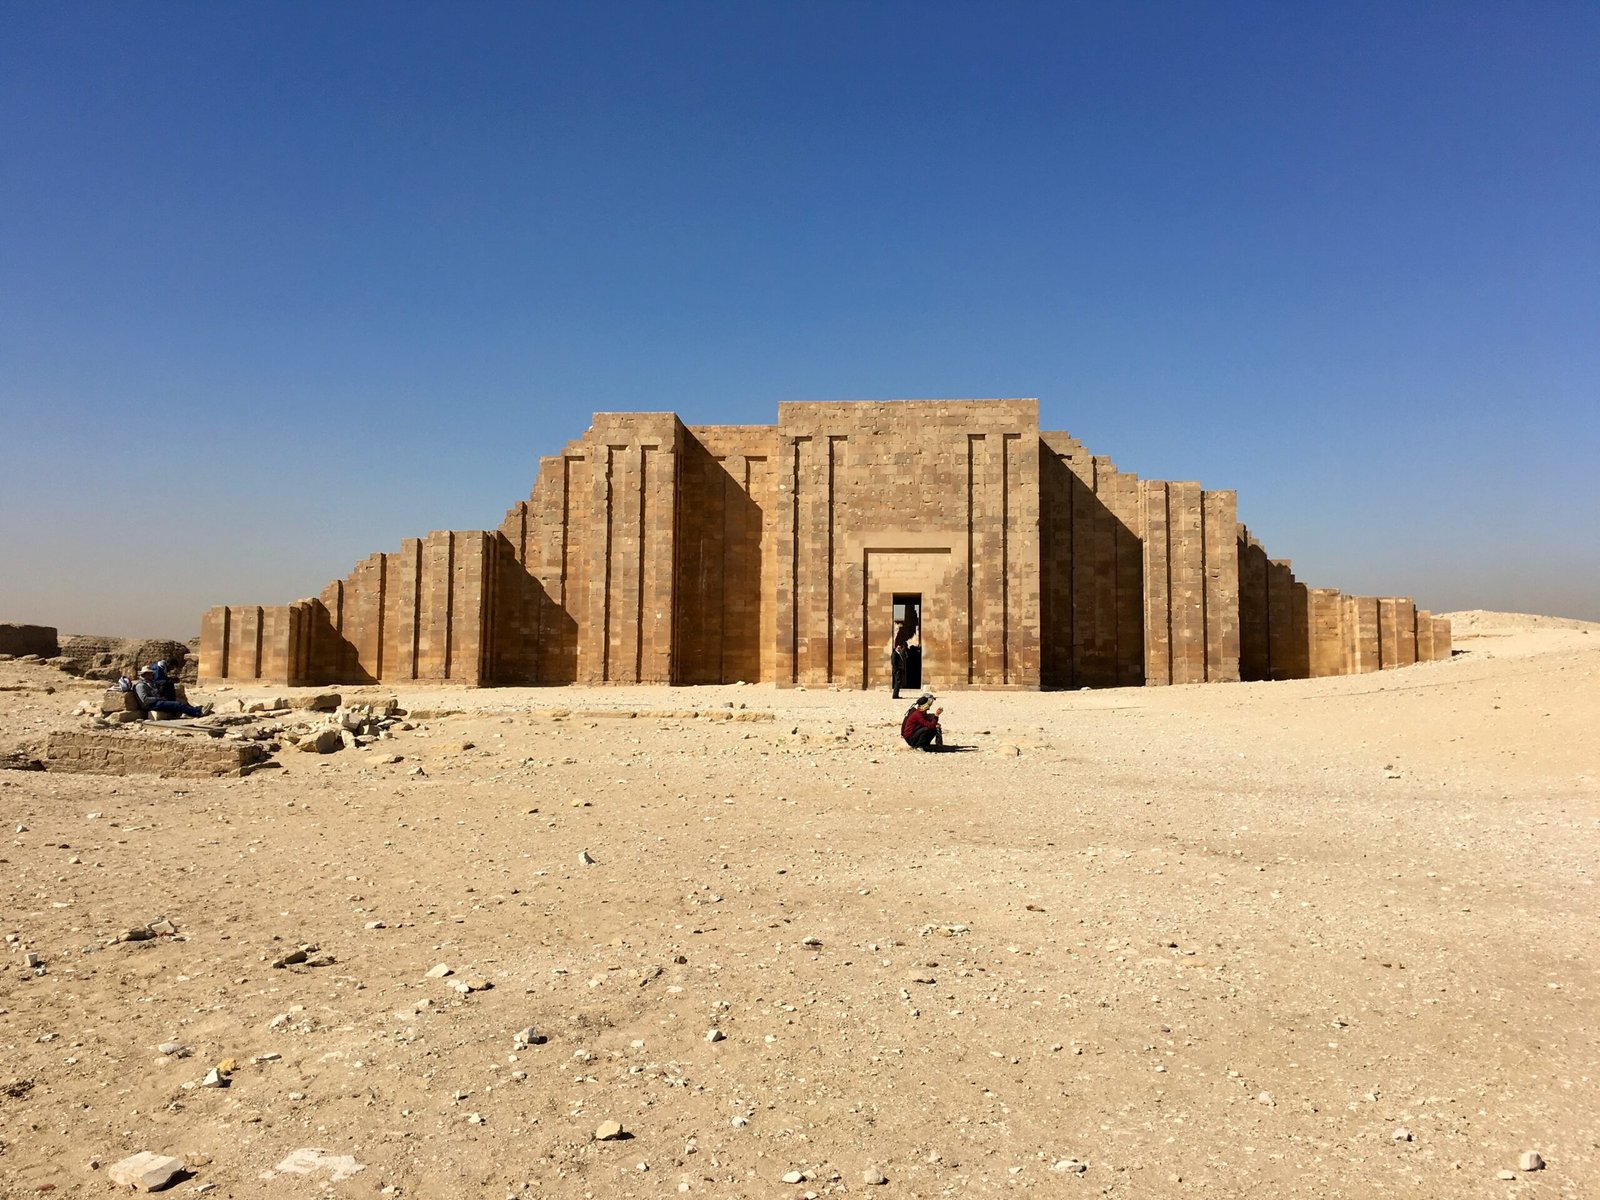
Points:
907	616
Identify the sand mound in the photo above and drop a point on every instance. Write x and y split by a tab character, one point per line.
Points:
1478	621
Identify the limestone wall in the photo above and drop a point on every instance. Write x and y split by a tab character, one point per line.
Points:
937	498
1191	584
1091	530
726	617
28	639
651	552
1290	631
418	614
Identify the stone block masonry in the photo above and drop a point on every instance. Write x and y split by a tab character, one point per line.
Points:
21	640
652	552
149	753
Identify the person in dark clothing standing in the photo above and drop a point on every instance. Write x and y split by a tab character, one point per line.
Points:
920	727
900	654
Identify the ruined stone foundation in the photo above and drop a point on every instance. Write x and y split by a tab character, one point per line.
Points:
654	552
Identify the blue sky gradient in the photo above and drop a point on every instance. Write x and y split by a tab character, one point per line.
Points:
283	284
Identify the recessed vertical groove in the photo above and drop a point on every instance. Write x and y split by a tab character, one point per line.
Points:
416	608
833	440
449	598
1005	557
261	618
1205	599
383	604
605	581
972	442
638	611
794	564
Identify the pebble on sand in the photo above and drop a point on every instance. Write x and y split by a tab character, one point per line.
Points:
1530	1161
608	1131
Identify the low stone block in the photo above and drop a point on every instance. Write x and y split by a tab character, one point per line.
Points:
96	753
116	702
325	742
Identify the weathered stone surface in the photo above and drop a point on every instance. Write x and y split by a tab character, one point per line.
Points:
95	753
108	657
324	742
28	639
145	1171
118	702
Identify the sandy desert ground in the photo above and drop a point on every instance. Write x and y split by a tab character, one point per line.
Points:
1329	938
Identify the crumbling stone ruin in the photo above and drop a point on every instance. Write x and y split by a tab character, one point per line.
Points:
24	641
654	552
93	656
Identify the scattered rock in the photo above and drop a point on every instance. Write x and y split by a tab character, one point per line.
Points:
524	1038
1401	1135
1266	1098
872	1177
1505	1174
145	1171
1530	1161
324	742
585	858
608	1131
214	1079
440	971
1069	1166
715	1035
175	1049
793	1177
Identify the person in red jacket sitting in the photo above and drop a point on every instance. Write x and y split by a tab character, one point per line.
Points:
920	728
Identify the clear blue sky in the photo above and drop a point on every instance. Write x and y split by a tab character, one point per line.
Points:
281	284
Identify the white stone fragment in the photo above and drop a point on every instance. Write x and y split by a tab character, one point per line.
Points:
308	1159
145	1171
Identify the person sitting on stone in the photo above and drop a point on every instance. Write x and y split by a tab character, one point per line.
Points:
920	728
165	683
149	692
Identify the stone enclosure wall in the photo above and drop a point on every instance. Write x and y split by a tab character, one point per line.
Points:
653	552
